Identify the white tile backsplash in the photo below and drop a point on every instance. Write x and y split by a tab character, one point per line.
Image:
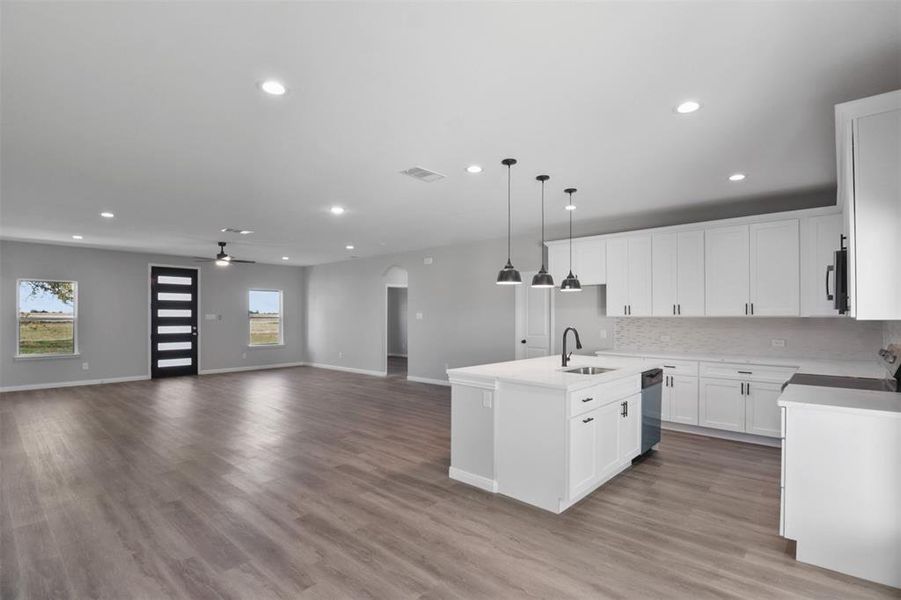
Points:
838	339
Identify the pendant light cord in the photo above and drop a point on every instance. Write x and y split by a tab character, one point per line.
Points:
570	237
542	225
508	215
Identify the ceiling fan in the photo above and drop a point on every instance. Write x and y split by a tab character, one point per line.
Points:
223	259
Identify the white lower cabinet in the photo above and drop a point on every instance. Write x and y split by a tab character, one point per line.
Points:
762	416
601	440
680	399
722	404
629	425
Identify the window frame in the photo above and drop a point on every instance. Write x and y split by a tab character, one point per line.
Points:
281	319
75	350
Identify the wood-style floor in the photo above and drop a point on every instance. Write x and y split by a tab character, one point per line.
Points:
306	483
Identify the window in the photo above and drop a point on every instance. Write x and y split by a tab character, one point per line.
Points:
265	316
47	313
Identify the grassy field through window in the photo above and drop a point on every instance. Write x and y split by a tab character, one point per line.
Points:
46	336
264	329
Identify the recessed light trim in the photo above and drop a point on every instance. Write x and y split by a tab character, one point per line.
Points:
77	237
737	177
337	210
687	107
107	214
286	258
349	247
473	169
273	87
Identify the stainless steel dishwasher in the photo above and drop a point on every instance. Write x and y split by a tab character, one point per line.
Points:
651	398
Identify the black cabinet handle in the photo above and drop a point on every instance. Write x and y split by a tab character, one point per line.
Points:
752	308
747	389
669	366
746	308
679	306
746	372
674	309
587	399
742	388
588	420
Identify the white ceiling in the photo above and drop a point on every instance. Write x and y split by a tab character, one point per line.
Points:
151	110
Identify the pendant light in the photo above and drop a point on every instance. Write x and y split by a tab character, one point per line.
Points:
571	283
542	278
508	275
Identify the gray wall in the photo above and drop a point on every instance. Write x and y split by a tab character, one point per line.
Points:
113	312
587	312
466	318
397	321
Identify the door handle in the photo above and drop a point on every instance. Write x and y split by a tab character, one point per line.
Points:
829	269
522	341
588	420
587	399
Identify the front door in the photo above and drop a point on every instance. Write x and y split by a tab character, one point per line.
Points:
173	322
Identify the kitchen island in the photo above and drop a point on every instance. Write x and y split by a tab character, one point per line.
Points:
531	430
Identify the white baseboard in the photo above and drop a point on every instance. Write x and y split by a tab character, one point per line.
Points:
251	368
735	436
62	384
443	382
483	483
347	369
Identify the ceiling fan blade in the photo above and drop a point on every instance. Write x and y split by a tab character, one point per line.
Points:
250	262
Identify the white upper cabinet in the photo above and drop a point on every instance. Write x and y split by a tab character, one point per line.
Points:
820	238
629	276
590	258
727	265
868	135
678	273
775	279
589	261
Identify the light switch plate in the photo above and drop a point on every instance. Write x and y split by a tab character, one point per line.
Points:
85	366
778	343
419	316
427	260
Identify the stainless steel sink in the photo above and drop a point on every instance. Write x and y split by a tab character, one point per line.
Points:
588	370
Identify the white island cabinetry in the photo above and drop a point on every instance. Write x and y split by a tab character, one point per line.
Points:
533	432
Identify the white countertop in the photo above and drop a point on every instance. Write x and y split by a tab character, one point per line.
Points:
816	366
546	371
888	403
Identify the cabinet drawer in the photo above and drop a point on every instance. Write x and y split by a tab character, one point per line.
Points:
678	367
747	372
598	395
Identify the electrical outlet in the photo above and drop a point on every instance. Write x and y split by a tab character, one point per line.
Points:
778	343
340	354
427	260
419	316
85	366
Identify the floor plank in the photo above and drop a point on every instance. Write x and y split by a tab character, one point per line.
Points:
308	483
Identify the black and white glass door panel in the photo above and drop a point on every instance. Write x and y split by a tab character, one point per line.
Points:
173	322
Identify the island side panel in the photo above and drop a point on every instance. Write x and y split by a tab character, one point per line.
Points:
530	446
472	435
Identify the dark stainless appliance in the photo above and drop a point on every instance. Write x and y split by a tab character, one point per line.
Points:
651	398
839	270
889	358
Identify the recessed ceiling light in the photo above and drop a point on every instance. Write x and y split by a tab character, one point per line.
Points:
273	87
107	215
349	246
689	106
337	210
285	258
473	169
245	231
736	177
77	237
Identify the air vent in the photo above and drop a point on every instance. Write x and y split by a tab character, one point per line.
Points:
423	174
236	230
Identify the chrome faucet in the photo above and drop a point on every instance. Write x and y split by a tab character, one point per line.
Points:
578	344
